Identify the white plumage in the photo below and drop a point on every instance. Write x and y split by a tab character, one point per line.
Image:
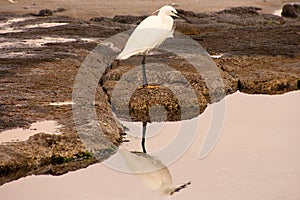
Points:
150	33
152	172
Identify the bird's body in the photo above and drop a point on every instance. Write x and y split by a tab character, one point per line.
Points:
151	171
150	33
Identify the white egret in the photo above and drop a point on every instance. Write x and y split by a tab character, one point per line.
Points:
151	171
150	33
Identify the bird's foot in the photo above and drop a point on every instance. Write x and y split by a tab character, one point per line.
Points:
149	86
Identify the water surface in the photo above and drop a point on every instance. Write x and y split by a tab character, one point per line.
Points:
257	157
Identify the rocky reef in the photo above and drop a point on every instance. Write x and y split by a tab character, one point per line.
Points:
41	54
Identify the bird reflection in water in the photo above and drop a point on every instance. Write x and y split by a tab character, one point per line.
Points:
151	171
144	136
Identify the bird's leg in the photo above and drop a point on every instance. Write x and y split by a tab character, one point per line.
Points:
145	82
143	137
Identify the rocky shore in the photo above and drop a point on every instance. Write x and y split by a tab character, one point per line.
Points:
41	54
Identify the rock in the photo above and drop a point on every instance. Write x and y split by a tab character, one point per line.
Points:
292	11
191	13
241	11
127	19
42	154
163	97
44	13
98	19
59	10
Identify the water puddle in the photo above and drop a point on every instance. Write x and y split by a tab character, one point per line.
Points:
22	54
259	144
10	26
65	103
34	43
20	134
14	20
91	39
217	56
46	25
7	27
10	30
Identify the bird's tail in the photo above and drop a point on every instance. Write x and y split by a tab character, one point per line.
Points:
124	55
177	189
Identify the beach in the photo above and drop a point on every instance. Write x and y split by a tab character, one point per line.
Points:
58	88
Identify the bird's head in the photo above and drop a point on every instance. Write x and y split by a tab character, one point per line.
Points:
170	11
167	11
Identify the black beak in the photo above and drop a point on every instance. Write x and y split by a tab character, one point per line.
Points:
181	16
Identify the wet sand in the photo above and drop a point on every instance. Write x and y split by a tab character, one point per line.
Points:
257	157
92	8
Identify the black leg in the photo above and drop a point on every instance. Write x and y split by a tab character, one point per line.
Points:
143	138
145	82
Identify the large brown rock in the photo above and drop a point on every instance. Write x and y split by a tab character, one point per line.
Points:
292	11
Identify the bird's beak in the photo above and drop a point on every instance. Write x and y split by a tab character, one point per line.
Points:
181	16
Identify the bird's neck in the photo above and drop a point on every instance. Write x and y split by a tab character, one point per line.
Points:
162	15
166	19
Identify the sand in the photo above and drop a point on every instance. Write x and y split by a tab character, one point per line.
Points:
92	8
257	157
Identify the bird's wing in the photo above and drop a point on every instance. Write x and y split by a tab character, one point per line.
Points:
147	35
